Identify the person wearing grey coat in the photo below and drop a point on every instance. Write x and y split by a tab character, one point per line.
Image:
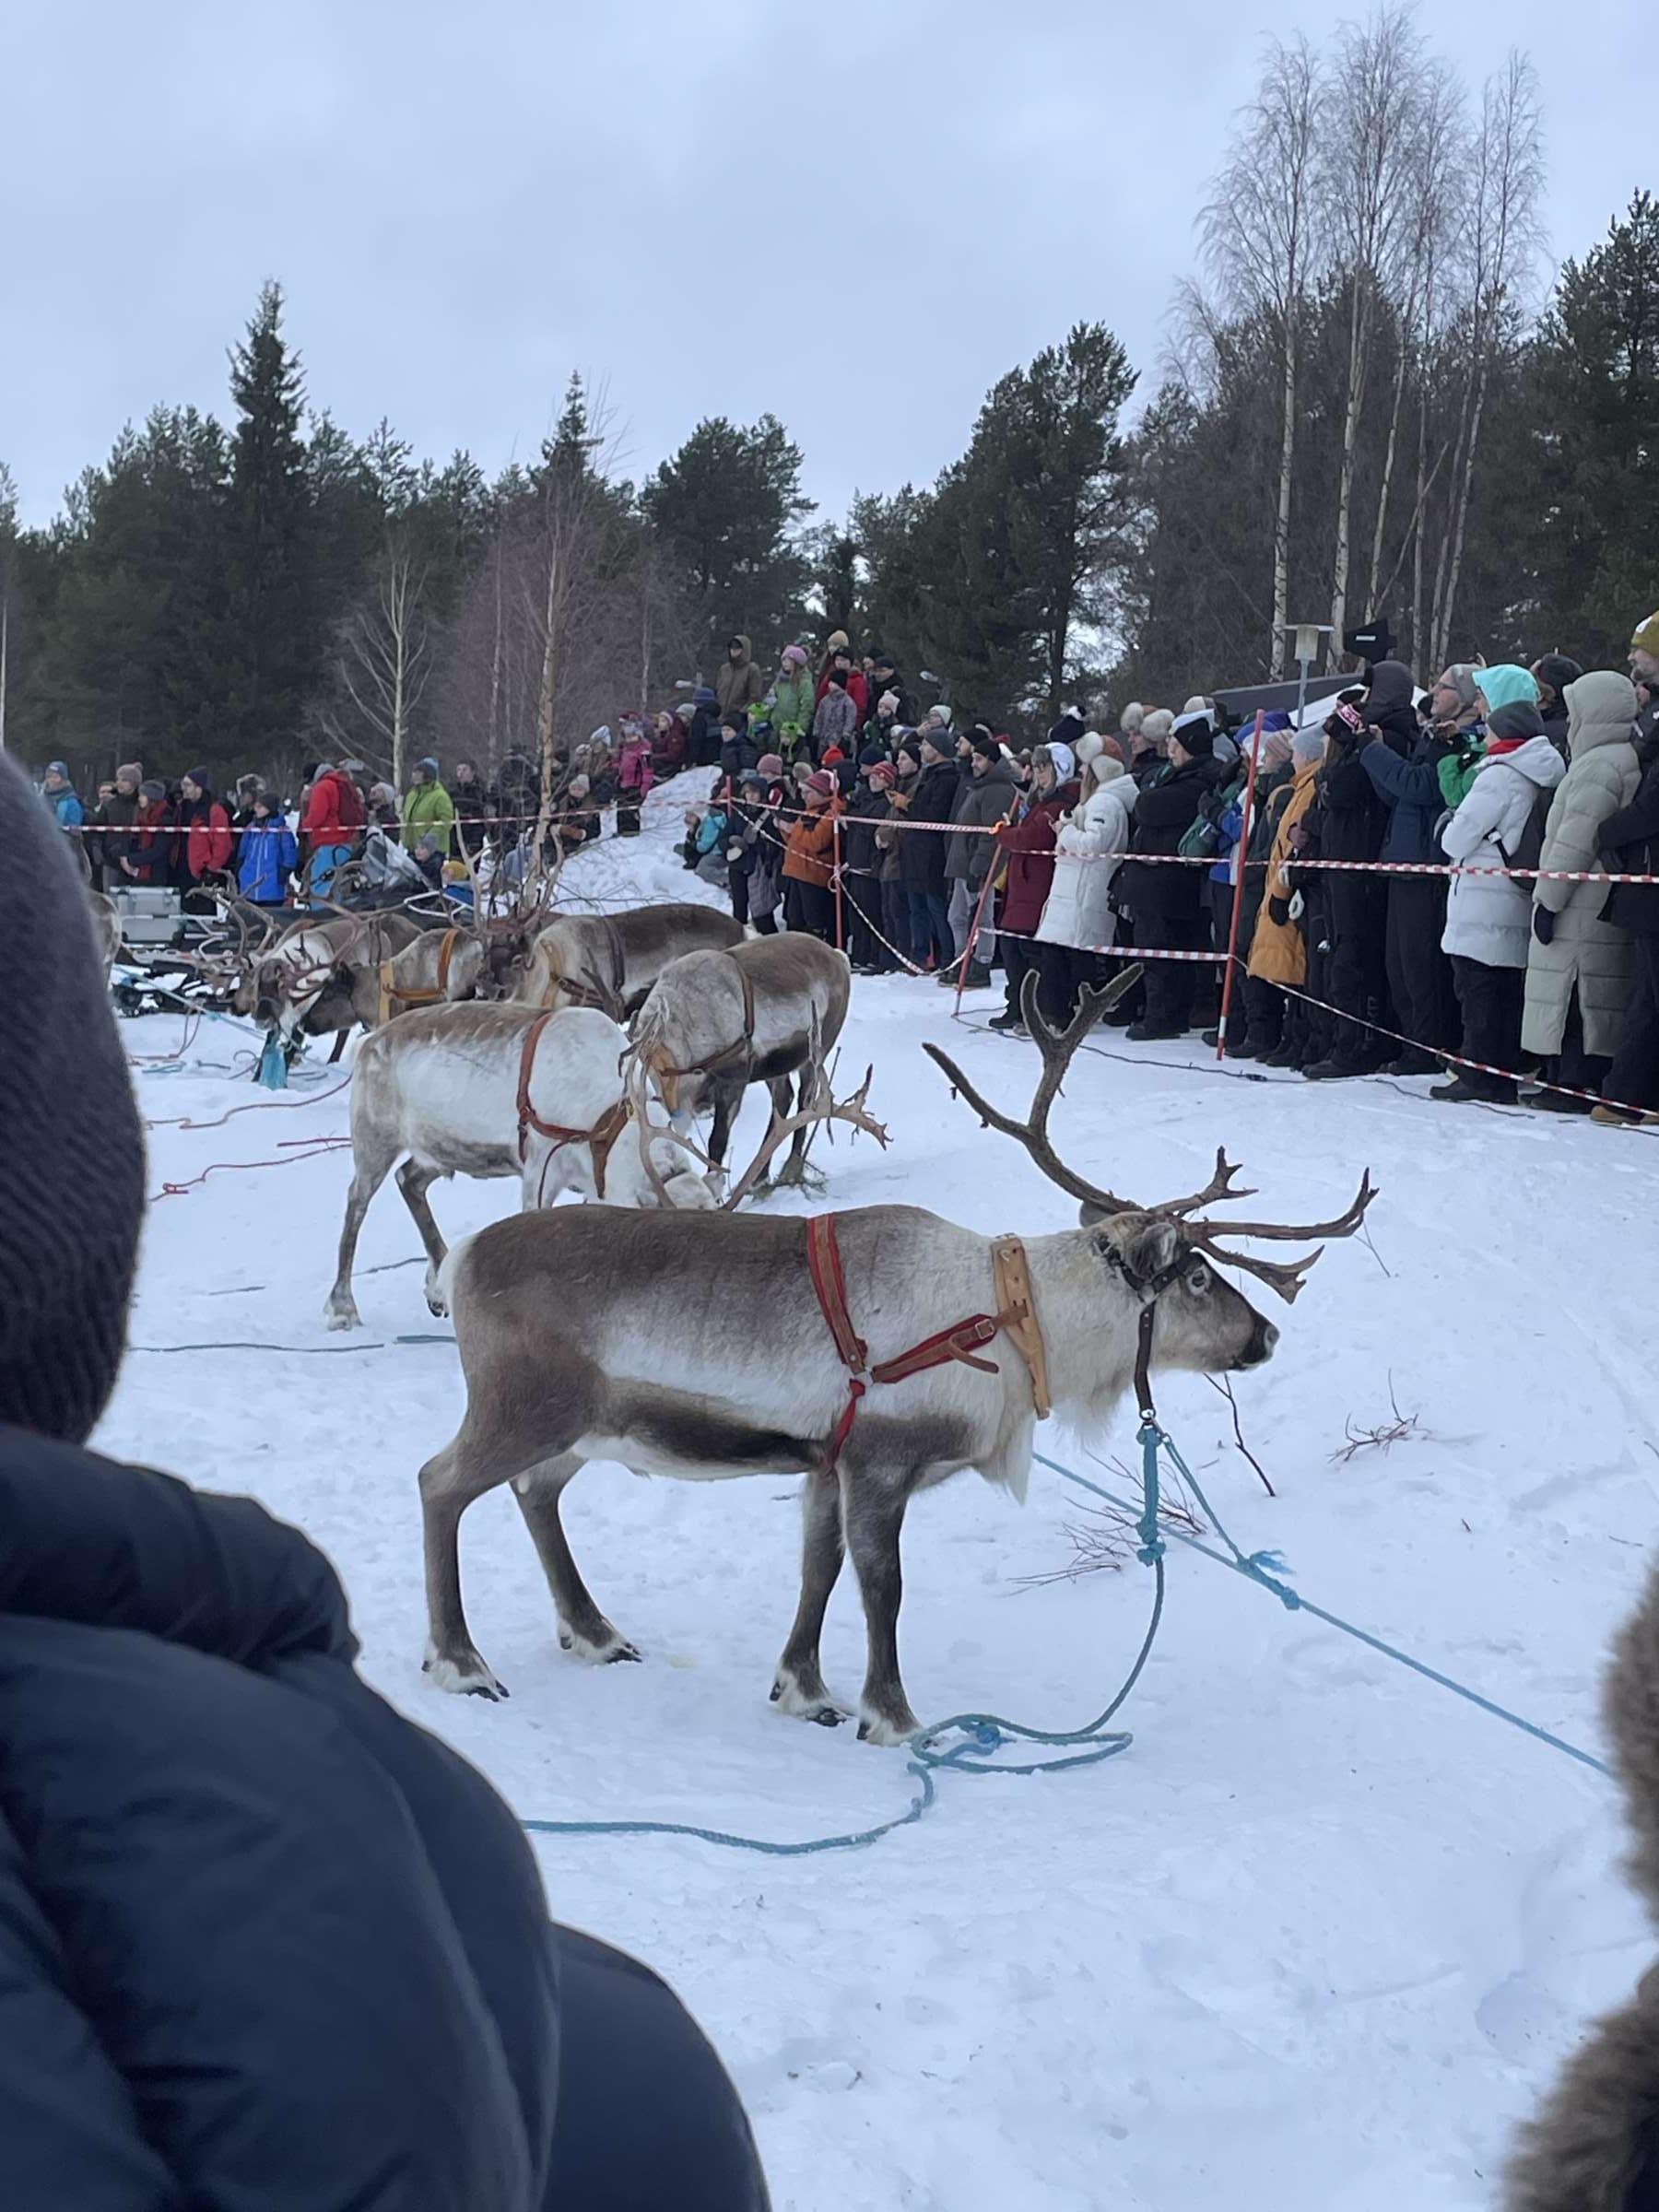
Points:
989	795
1581	968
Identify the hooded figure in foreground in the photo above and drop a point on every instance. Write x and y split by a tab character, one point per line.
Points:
263	1944
1594	2146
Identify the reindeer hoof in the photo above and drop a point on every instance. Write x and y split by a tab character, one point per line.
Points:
466	1676
888	1733
609	1651
342	1317
807	1705
437	1307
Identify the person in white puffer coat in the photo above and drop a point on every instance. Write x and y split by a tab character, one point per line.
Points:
1077	914
1489	918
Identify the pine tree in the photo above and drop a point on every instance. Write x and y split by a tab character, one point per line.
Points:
274	625
725	506
1596	437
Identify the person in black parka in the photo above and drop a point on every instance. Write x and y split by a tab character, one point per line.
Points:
1165	903
265	1945
1353	817
1403	760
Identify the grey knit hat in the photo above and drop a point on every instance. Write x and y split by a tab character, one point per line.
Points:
71	1205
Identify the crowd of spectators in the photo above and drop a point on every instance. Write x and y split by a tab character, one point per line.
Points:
1421	888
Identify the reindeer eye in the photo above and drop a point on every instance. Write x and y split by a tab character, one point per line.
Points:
1198	1277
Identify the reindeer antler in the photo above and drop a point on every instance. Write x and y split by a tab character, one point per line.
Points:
1285	1277
825	1107
1058	1048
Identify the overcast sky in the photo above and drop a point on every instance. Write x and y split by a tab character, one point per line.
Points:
857	216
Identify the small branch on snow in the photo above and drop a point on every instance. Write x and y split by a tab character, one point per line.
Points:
1225	1387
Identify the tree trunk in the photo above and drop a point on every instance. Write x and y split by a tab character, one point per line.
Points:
1344	482
1372	610
1281	521
1419	521
1461	496
547	693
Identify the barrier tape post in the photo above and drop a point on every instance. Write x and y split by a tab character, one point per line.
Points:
1240	850
835	877
974	930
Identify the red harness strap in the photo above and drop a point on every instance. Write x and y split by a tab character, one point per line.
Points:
602	1137
959	1342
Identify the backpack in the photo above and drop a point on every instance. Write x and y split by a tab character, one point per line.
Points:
1529	845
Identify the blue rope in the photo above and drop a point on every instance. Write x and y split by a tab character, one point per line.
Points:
1266	1568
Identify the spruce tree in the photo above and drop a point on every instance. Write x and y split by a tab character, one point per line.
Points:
275	621
1596	439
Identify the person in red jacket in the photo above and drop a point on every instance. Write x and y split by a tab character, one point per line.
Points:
205	842
1030	841
858	689
335	817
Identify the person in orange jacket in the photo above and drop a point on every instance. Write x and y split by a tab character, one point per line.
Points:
809	860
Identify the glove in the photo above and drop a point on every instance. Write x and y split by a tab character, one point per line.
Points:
1279	911
1544	923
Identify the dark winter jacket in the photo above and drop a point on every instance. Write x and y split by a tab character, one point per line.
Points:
1029	846
1353	812
1388	705
982	802
737	756
866	807
473	806
739	684
118	818
1148	767
263	1941
1163	814
1410	785
922	851
1629	846
518	795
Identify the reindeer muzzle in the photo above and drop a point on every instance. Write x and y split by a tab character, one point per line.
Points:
1259	1351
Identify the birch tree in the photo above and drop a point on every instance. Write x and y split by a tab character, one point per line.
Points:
1504	237
383	662
1261	247
1368	163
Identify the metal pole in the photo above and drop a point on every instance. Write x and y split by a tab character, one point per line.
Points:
1301	690
835	855
1240	851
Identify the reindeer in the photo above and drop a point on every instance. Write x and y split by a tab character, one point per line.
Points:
326	976
500	1090
715	1022
854	1349
612	961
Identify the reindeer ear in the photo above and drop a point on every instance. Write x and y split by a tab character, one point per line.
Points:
1150	1250
1089	1214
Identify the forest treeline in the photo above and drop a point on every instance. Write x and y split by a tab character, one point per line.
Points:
1371	406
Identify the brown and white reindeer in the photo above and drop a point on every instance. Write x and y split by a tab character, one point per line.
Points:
612	961
499	1090
761	1012
876	1355
324	977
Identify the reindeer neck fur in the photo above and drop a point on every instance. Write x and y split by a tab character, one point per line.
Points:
1090	1315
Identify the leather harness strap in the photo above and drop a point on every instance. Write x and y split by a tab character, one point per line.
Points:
741	1052
390	992
602	1137
1017	1319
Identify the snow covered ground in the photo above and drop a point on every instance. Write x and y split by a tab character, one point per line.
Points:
1321	1935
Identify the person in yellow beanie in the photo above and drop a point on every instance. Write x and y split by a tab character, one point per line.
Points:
1644	674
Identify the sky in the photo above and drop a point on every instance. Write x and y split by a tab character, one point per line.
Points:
857	219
